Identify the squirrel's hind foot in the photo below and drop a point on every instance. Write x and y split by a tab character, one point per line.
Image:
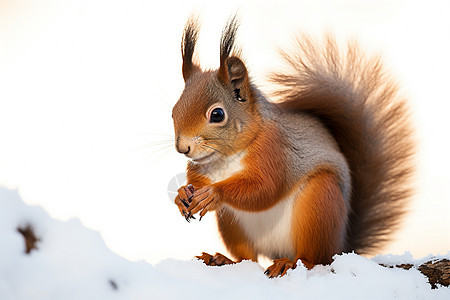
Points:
215	260
280	267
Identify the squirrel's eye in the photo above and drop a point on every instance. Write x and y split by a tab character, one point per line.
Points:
217	115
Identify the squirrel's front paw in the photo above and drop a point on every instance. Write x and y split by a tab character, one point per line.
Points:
203	200
183	200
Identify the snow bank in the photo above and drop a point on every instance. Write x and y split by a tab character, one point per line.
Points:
73	262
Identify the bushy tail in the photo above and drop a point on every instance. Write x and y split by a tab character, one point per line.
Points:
360	106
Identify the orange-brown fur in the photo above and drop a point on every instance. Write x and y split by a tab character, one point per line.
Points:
234	238
258	186
320	219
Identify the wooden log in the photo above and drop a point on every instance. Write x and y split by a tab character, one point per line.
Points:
30	238
437	271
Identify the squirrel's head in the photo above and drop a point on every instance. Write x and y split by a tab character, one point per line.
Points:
215	116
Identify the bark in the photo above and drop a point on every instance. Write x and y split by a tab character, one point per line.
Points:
30	238
437	271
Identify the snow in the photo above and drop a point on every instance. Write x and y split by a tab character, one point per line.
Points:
73	262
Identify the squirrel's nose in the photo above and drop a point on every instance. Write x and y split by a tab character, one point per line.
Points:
184	150
182	146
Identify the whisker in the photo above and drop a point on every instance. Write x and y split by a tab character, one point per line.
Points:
154	144
147	134
162	148
159	145
162	141
163	96
229	146
221	152
215	150
215	139
222	145
158	151
212	148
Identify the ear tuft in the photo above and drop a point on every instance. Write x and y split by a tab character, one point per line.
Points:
190	37
226	46
228	38
232	71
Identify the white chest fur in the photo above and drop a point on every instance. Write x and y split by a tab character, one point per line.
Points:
269	231
226	168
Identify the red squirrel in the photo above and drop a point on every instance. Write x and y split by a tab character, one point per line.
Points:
322	170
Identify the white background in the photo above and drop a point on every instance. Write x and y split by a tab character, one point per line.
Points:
86	90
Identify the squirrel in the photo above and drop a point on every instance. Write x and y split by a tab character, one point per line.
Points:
322	170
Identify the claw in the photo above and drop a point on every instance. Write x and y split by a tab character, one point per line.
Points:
189	216
185	203
280	267
186	216
190	189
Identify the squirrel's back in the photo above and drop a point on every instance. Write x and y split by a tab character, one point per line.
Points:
360	106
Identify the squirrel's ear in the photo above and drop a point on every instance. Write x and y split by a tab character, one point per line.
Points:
237	77
188	42
233	73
